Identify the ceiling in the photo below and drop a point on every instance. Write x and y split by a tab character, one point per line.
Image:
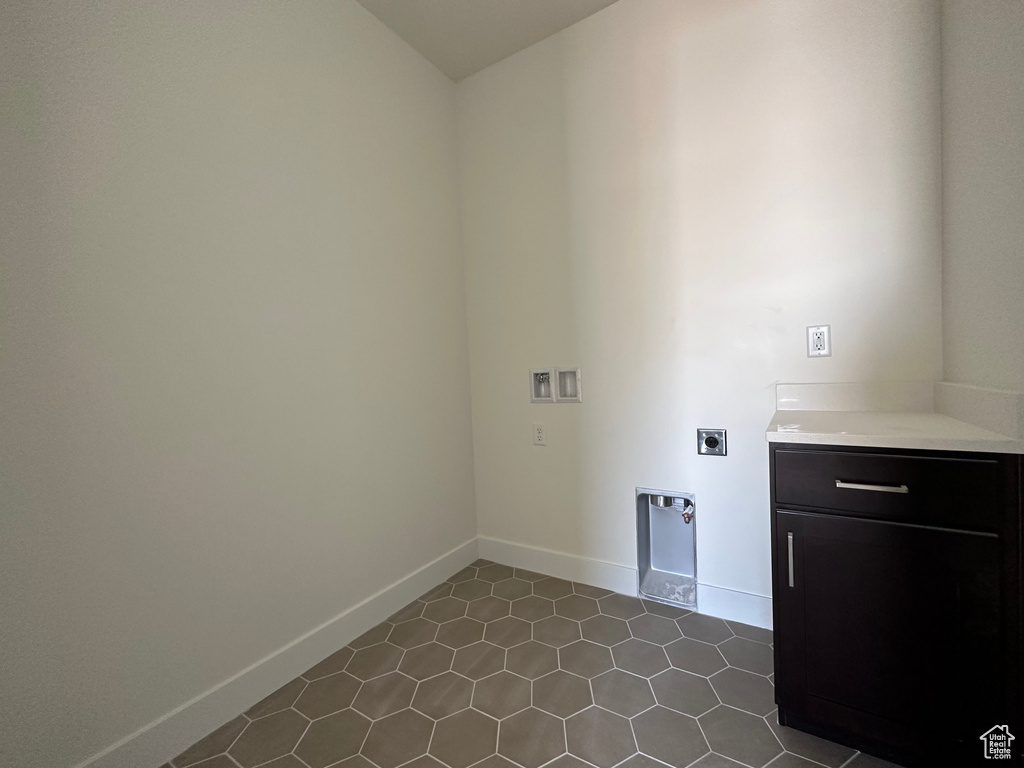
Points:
461	37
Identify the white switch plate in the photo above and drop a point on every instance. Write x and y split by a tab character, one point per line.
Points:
540	435
819	341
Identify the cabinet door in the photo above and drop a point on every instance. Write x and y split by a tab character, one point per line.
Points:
889	629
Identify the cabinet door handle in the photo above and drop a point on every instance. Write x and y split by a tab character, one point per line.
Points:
789	536
879	488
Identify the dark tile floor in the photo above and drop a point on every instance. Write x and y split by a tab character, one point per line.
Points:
500	667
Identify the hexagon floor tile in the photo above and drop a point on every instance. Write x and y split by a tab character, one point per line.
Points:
269	737
464	738
489	608
333	738
327	695
740	735
683	692
479	660
556	631
507	632
640	657
460	633
669	736
471	590
561	694
426	661
411	633
744	690
654	629
443	695
398	738
501	695
576	607
695	656
622	693
531	660
599	737
385	695
506	668
531	738
748	654
374	661
512	589
605	630
585	659
552	588
532	608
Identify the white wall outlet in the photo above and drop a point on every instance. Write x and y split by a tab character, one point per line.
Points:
711	442
540	434
819	341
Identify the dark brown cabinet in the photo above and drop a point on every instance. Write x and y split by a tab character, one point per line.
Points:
897	610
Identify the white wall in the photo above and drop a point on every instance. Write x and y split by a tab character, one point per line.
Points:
983	192
667	193
233	355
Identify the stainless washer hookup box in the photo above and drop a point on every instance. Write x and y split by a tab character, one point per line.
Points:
666	540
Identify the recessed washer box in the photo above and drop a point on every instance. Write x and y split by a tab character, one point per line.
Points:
666	540
542	388
568	385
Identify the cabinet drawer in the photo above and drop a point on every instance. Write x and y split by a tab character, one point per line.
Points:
947	492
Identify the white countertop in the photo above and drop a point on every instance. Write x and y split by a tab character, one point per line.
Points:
932	431
892	416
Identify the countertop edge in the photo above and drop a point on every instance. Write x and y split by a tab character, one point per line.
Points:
940	416
908	443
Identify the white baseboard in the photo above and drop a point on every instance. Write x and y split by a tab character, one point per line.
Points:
734	606
158	742
714	601
618	578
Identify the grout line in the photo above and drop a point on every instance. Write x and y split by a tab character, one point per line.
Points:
741	709
576	757
265	762
235	740
815	762
653	706
702	734
304	732
662	762
765	718
740	762
636	741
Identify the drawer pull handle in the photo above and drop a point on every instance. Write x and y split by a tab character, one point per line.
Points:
880	488
792	582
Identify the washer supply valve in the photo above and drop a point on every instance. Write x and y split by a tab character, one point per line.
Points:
687	509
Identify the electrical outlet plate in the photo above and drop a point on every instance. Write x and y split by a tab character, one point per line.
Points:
540	434
819	341
711	442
